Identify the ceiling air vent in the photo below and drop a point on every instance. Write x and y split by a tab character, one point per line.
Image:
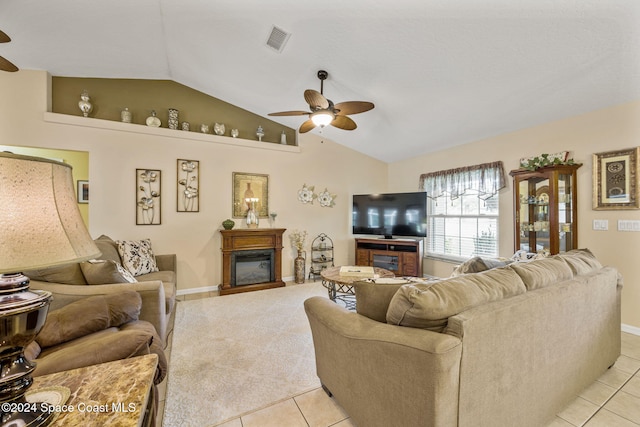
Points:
278	38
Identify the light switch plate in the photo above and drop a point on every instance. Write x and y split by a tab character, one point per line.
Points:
601	224
628	225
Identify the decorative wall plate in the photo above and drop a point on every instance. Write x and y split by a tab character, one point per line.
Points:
306	194
326	199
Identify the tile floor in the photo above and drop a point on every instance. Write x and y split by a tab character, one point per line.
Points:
611	401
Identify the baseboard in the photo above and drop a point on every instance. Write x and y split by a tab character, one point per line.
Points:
197	290
631	329
213	288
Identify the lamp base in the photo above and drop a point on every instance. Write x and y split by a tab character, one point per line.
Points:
26	414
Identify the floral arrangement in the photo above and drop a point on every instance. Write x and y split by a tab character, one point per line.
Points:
544	160
298	239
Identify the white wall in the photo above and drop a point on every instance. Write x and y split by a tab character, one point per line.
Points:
599	131
194	237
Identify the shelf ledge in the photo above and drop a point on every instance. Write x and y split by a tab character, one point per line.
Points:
89	122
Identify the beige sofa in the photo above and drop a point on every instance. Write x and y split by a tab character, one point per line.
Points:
504	347
157	289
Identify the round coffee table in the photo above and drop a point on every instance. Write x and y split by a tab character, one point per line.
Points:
340	287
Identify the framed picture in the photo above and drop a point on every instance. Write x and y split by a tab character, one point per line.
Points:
615	180
148	206
188	186
83	191
250	186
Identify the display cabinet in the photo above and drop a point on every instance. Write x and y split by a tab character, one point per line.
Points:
546	213
321	255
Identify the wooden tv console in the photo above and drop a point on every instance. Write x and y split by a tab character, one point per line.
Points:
402	256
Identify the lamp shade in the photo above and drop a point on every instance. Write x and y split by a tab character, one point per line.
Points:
40	224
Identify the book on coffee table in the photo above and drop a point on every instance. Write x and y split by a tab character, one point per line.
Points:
356	271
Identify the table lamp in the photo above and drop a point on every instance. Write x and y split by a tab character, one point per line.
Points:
40	226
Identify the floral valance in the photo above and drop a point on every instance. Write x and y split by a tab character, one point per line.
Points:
486	179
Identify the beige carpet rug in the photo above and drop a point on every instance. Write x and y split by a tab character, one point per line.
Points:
238	353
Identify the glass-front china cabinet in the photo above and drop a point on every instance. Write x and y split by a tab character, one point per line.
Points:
546	211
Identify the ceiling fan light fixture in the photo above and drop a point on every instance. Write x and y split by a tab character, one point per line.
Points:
322	118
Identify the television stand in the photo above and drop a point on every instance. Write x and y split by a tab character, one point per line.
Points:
401	256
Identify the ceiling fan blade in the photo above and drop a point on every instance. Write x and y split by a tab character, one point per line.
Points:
316	100
7	65
353	107
307	126
4	38
344	122
289	113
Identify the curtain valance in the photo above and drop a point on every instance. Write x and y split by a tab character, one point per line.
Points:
487	179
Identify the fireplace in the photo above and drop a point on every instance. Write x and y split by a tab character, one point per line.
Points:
251	259
252	267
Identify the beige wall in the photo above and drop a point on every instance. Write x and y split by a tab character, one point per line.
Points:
610	129
114	155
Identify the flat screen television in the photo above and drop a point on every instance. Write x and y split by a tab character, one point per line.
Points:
389	215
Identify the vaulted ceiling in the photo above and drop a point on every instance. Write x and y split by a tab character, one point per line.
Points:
440	72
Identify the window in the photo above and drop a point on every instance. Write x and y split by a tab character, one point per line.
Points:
463	227
462	212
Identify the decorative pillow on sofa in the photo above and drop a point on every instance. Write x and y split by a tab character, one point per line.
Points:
102	271
478	264
137	256
108	247
429	306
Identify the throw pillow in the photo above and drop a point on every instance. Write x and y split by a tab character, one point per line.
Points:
101	272
108	248
137	256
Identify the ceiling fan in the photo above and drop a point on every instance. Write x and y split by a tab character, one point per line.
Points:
6	65
324	112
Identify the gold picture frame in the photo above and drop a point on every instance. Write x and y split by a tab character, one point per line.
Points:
250	185
615	180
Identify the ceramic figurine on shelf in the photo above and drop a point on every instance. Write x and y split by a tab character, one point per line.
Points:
234	133
204	128
219	128
260	133
153	120
85	103
185	126
283	138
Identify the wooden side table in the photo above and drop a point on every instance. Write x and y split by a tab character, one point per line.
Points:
340	287
114	393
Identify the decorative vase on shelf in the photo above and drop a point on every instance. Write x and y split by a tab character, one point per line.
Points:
283	138
153	120
260	133
299	267
185	126
125	115
252	215
85	103
234	133
173	118
204	128
228	224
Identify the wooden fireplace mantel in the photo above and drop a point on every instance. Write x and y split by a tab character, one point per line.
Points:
251	239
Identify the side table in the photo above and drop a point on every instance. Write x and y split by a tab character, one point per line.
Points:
114	393
340	287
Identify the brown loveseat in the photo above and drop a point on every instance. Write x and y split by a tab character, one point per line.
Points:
504	347
157	289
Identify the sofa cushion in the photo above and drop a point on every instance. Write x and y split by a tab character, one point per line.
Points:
429	306
103	271
68	274
99	347
542	272
137	256
89	315
581	261
372	299
478	264
108	248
